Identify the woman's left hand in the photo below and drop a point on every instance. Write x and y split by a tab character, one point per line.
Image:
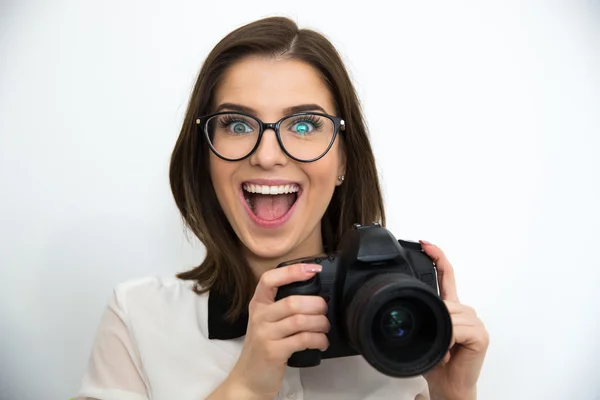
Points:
455	377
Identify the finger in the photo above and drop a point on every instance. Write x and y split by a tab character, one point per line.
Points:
304	341
458	308
461	316
446	358
300	323
270	281
445	271
474	338
312	305
463	319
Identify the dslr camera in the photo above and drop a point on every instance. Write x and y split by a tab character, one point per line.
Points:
383	303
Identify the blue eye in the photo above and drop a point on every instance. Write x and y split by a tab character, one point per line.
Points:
302	128
305	125
235	125
239	128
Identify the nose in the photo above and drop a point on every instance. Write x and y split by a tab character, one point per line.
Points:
268	154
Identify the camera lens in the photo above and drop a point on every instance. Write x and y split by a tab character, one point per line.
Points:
409	337
397	323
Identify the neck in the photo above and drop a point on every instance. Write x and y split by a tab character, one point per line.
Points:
312	245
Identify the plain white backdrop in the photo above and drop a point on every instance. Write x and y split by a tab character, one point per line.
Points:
485	121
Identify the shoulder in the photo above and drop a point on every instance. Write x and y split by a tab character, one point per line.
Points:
152	284
153	294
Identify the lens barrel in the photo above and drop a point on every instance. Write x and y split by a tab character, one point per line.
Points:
398	324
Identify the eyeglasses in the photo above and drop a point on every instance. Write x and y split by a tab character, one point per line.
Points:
304	137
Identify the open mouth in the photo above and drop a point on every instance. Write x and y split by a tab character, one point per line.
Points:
270	202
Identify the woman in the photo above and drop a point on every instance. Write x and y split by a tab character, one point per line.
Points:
255	198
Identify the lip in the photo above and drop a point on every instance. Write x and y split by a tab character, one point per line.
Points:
276	223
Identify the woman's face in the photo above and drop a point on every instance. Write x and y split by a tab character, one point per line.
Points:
275	227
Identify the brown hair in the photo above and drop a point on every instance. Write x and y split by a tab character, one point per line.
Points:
358	200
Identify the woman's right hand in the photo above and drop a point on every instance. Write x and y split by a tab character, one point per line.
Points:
277	329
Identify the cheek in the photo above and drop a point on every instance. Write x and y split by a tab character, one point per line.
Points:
221	173
323	176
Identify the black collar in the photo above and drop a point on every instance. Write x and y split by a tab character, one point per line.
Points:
218	326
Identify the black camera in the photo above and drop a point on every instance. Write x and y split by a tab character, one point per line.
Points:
383	303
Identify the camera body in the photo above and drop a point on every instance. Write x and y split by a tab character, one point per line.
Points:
383	303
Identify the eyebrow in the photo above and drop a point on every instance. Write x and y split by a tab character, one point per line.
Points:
288	110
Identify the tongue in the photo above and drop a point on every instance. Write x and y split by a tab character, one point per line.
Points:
270	207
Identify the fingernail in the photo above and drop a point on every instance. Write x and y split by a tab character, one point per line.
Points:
312	267
425	242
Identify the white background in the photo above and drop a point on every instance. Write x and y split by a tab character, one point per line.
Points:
485	120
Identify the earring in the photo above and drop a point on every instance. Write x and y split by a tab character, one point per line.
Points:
341	178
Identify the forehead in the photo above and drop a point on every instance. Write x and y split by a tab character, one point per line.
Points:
269	86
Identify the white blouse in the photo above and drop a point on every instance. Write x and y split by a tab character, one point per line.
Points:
153	343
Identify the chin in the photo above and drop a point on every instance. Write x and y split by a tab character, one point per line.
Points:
270	248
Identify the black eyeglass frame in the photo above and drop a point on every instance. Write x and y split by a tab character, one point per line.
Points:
338	125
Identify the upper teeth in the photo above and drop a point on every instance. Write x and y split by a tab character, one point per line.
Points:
264	189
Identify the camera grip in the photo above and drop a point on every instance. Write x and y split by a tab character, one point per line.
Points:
310	287
305	358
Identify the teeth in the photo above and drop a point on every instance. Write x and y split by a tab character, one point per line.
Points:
272	190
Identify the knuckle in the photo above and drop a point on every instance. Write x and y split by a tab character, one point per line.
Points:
256	329
470	310
304	340
293	304
257	319
267	279
298	341
252	307
484	336
298	321
439	251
